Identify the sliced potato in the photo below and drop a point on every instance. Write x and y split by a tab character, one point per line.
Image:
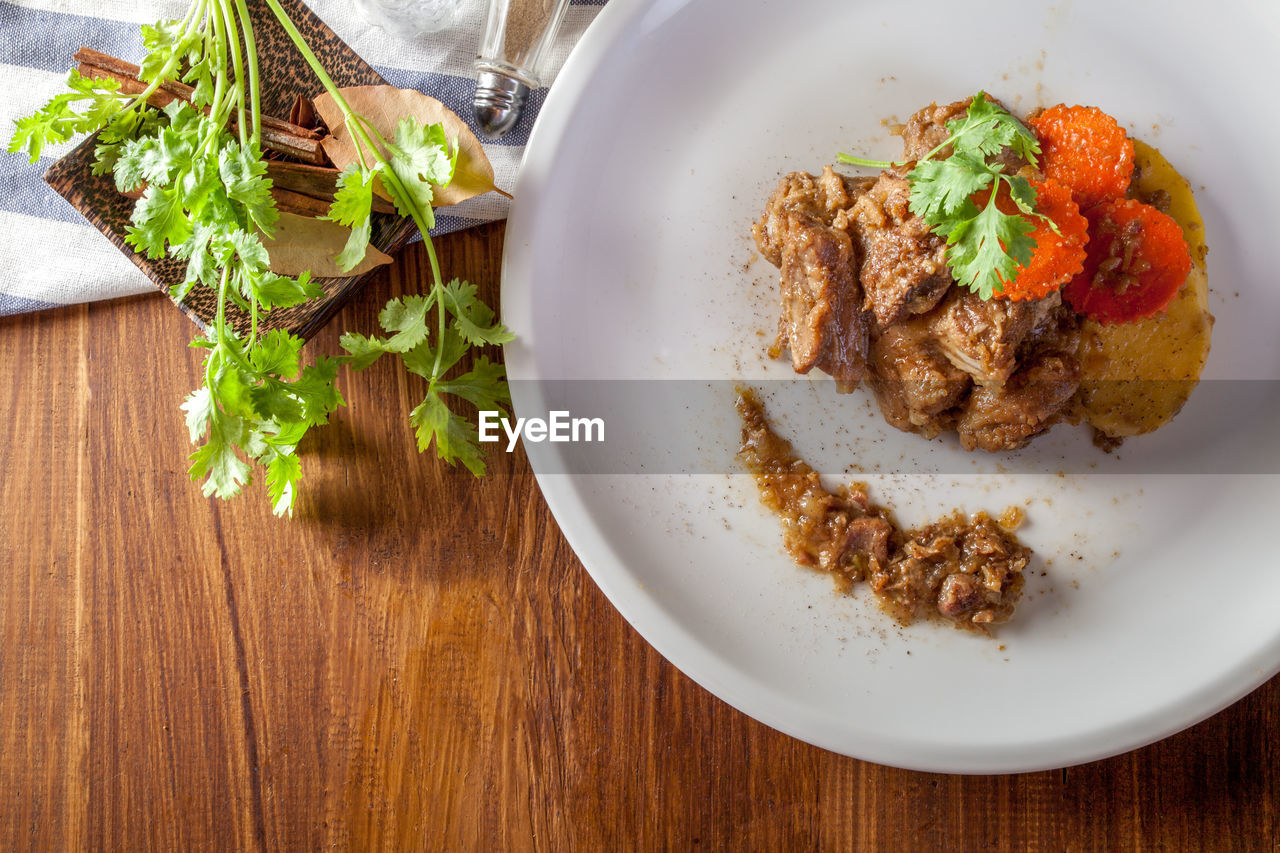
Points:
1138	375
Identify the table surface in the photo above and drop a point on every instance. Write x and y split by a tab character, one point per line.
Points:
418	660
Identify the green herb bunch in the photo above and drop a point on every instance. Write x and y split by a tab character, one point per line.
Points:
206	200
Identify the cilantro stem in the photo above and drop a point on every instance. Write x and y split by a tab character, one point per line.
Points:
360	133
849	159
151	89
220	57
229	24
251	49
440	313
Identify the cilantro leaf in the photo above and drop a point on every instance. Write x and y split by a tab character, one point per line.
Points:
420	157
483	386
234	389
988	247
225	473
280	291
200	410
201	265
158	218
423	359
939	188
423	152
276	353
1023	195
407	317
167	45
136	160
316	391
473	318
284	470
362	351
56	122
249	250
454	438
242	169
272	400
352	207
986	129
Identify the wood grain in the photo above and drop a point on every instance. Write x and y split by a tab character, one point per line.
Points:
418	661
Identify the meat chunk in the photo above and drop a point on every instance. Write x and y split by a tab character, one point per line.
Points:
1006	417
821	320
914	384
904	268
1058	332
981	337
969	572
927	129
819	199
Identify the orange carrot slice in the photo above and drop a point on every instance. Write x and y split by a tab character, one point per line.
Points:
1137	261
1086	150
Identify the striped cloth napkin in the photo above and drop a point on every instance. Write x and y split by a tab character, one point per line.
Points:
52	257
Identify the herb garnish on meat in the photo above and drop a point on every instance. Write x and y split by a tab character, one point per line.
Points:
985	245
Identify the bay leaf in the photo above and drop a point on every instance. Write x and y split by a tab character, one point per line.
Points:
384	106
301	243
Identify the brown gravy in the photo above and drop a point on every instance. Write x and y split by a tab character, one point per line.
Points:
966	571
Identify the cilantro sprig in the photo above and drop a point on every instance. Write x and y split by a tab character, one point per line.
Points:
205	199
985	245
409	321
409	167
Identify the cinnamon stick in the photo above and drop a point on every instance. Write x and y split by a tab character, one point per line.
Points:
298	142
319	182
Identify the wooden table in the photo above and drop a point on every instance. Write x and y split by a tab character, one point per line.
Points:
418	661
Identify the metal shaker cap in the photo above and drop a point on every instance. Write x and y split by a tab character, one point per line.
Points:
498	102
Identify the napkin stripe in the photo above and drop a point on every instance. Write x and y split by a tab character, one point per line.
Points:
22	190
18	305
61	34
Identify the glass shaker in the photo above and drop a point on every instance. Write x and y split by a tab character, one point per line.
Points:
409	19
517	35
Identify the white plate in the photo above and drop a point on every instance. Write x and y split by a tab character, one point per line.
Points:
628	257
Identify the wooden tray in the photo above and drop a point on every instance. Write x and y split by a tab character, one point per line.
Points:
284	75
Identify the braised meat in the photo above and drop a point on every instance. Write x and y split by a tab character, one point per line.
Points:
866	293
967	571
927	129
819	198
821	322
914	384
904	267
1006	417
982	336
